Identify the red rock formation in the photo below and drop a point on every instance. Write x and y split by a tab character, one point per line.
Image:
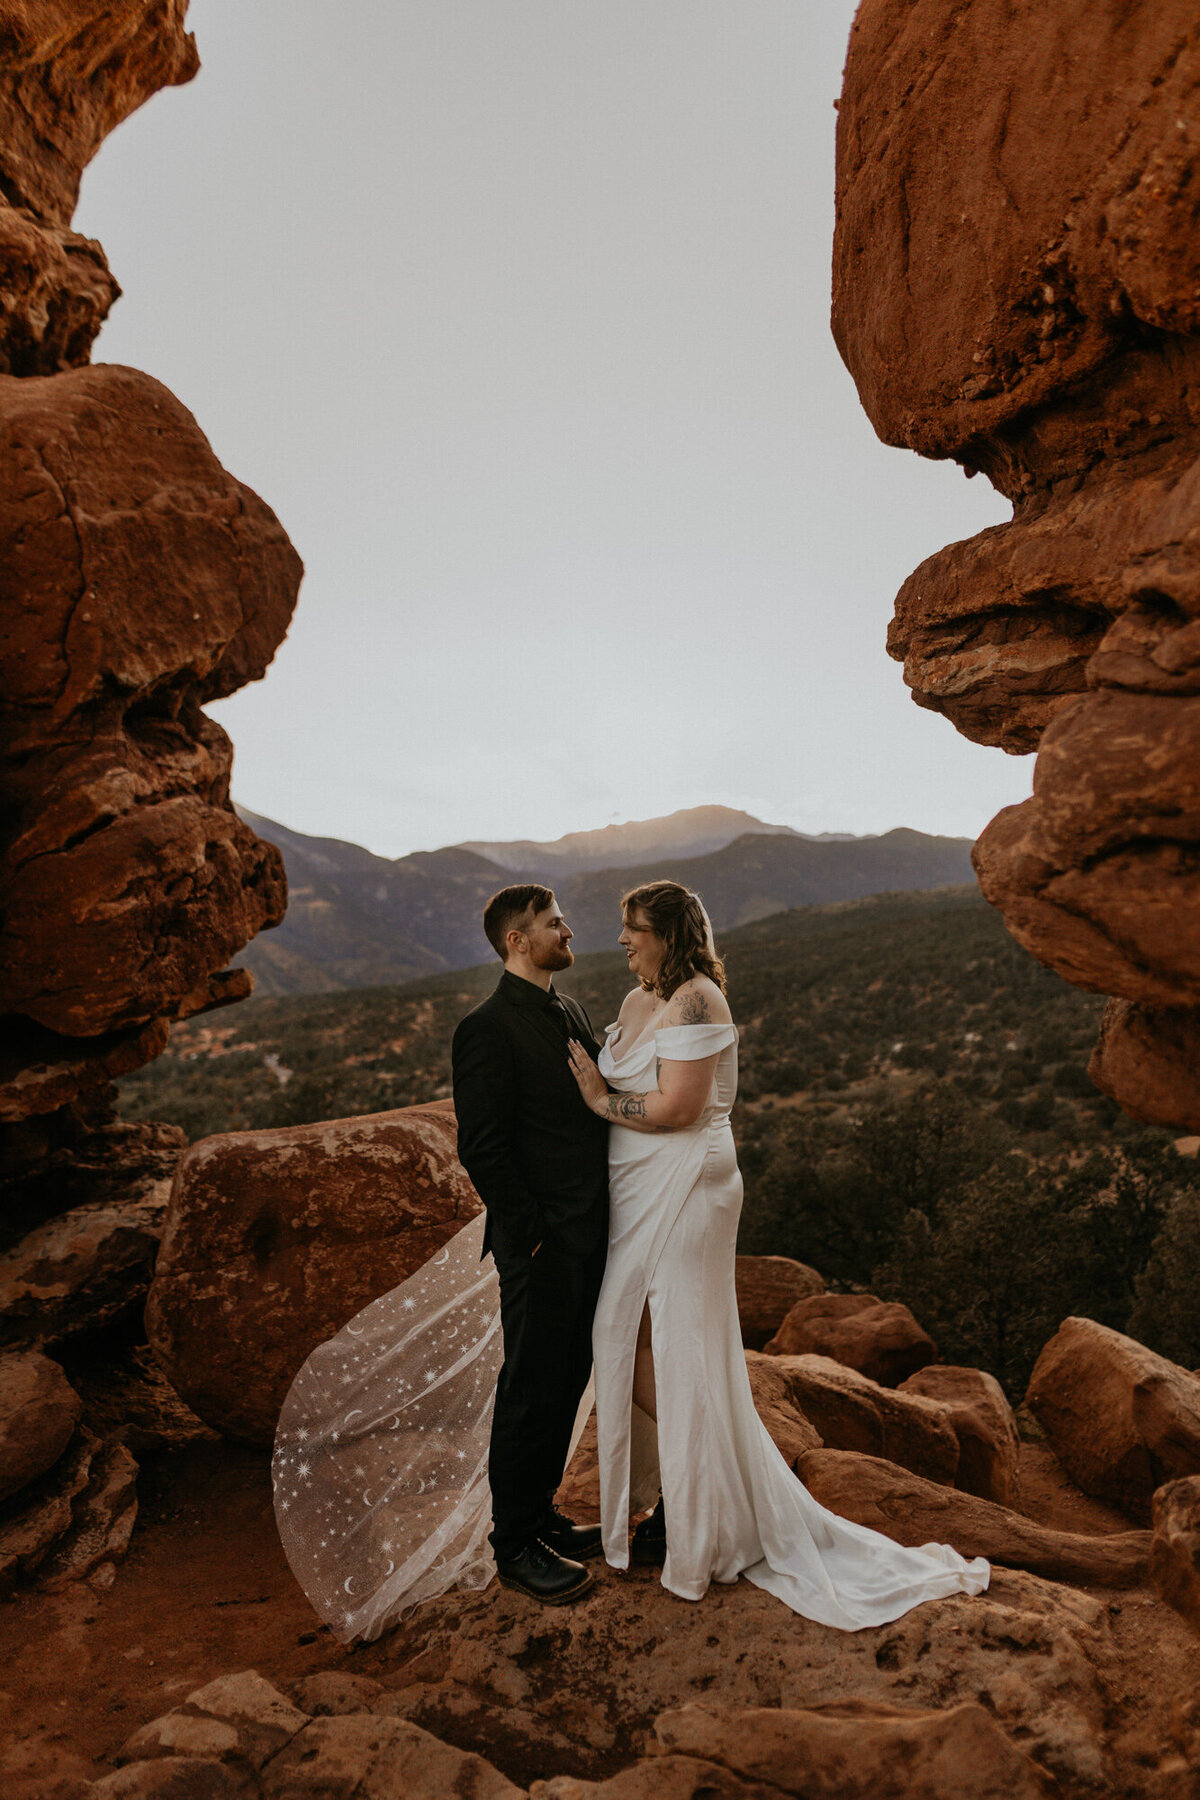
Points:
81	1270
1148	1059
914	1511
290	1233
880	1339
849	1411
767	1288
72	70
139	581
143	580
1017	286
984	1424
775	1401
860	1748
39	1410
240	1723
1121	1419
1175	1553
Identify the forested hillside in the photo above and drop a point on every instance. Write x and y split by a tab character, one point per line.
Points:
359	920
914	1114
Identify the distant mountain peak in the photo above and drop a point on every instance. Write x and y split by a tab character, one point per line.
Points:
359	920
693	831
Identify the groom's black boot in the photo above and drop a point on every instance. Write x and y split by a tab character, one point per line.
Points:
649	1546
568	1538
543	1574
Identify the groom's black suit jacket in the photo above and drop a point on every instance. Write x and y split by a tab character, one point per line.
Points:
536	1153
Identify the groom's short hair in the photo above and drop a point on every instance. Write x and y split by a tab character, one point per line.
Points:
510	909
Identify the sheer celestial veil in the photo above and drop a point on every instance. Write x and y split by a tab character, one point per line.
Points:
380	1462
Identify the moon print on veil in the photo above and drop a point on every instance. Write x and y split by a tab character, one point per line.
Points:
400	1505
400	1509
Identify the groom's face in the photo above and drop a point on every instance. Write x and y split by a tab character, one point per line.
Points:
550	939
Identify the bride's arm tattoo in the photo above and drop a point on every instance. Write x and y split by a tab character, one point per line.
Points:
626	1109
694	1010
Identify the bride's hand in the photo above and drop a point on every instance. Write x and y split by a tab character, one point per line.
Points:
592	1084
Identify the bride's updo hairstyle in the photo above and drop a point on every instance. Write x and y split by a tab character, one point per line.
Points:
675	914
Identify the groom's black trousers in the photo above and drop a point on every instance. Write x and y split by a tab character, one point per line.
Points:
547	1303
539	1161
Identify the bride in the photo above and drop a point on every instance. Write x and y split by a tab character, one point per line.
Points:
380	1464
674	1411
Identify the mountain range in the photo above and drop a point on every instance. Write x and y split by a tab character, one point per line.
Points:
359	920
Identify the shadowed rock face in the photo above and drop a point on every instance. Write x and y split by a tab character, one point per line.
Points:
72	70
139	580
1017	286
290	1233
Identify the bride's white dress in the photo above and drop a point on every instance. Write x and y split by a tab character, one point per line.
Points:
380	1463
733	1506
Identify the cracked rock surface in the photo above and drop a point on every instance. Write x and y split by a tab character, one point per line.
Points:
139	581
1017	286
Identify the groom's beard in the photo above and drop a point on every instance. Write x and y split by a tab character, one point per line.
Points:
561	956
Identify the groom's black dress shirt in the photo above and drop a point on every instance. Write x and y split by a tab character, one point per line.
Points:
536	1153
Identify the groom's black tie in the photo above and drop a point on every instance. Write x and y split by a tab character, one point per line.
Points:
562	1017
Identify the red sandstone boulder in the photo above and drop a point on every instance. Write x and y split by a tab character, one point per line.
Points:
776	1403
74	1519
191	585
1015	286
82	1269
849	1411
238	1718
975	272
73	69
767	1288
1034	1654
57	291
39	1410
858	1750
242	1723
1121	1419
138	581
1095	875
879	1338
1175	1553
1147	1059
913	1511
274	1239
984	1423
387	1756
173	1778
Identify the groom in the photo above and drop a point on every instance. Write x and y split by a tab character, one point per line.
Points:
539	1159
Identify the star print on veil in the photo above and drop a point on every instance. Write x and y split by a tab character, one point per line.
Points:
380	1463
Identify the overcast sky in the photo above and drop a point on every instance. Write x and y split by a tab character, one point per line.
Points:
516	312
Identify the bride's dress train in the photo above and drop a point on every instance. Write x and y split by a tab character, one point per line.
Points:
380	1464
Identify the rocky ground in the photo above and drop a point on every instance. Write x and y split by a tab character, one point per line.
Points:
1095	1685
156	1647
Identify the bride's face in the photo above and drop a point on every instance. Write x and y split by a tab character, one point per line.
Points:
642	945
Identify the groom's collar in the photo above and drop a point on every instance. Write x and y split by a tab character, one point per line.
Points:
527	993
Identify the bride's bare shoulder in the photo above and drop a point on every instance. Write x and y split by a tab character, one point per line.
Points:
636	1001
698	1002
